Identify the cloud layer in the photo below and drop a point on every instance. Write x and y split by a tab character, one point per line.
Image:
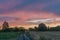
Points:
38	5
8	18
46	20
34	11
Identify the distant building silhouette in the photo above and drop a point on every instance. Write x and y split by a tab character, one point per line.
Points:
5	25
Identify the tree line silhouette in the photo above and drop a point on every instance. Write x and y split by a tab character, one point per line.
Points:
41	27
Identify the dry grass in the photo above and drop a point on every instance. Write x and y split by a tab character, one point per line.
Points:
47	35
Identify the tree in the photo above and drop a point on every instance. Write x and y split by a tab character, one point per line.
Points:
35	28
48	28
31	29
16	29
57	28
42	27
22	29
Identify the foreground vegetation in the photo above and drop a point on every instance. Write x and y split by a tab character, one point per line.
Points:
47	35
12	33
8	35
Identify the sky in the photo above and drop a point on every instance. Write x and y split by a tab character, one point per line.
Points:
29	13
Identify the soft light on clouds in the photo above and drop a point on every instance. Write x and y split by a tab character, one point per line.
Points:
46	20
9	19
31	12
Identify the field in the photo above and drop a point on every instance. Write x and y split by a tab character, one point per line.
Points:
45	35
33	34
9	35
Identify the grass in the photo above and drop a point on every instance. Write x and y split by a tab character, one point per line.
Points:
8	35
47	35
34	35
44	38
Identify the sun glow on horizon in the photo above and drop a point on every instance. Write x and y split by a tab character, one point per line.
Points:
28	13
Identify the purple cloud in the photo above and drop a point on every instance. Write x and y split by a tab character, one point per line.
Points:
8	18
11	5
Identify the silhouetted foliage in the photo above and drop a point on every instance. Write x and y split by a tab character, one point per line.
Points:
16	29
42	27
57	28
52	29
48	28
22	29
31	29
35	28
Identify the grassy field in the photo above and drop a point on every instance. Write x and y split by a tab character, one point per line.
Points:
35	35
46	35
9	35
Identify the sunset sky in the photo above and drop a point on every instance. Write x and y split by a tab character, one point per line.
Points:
29	13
